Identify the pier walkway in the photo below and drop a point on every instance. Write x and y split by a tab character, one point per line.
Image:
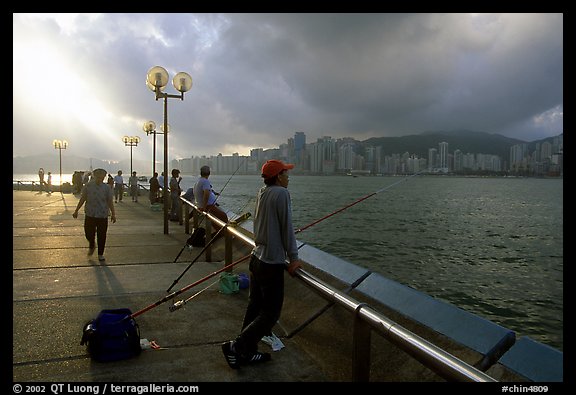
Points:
57	288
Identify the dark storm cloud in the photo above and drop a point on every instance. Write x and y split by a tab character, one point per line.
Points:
258	78
397	74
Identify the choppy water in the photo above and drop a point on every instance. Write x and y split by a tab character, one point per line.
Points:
492	246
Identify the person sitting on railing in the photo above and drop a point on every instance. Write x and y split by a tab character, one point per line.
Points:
206	197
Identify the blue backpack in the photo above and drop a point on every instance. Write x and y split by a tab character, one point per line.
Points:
112	336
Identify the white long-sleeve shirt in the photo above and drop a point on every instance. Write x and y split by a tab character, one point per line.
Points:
273	231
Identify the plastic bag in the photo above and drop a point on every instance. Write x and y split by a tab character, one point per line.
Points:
229	283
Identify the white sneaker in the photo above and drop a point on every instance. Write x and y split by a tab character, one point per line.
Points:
101	258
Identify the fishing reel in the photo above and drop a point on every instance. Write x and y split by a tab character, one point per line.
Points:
176	306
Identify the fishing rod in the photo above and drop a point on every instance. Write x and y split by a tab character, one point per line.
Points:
212	240
202	219
186	288
181	303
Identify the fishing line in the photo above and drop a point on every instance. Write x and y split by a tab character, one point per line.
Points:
354	203
325	217
176	293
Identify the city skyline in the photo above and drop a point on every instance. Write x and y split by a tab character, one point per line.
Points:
338	156
341	156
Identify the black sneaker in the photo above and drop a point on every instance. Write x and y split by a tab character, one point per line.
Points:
257	357
232	358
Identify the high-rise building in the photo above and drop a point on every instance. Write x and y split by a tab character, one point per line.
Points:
299	142
323	155
299	147
346	157
443	148
432	159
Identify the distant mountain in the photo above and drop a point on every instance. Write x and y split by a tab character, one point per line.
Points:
465	140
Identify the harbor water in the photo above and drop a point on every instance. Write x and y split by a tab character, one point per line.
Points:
491	246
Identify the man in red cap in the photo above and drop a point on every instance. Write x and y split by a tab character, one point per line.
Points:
275	242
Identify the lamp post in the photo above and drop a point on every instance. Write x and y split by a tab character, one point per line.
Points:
60	145
131	141
156	81
149	128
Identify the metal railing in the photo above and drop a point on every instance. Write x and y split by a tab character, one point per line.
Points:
366	320
17	184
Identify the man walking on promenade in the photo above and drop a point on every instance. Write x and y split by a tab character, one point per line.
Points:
98	199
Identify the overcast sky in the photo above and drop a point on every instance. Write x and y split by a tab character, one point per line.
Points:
259	78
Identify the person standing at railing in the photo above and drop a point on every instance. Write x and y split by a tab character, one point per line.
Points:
41	176
176	208
110	181
133	185
77	182
275	242
154	188
50	182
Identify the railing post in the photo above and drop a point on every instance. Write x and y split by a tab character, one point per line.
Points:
228	240
360	348
186	219
195	218
208	238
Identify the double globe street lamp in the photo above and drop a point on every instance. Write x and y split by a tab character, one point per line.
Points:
156	81
131	141
60	145
149	128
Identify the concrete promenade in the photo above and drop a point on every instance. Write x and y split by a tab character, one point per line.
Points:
57	288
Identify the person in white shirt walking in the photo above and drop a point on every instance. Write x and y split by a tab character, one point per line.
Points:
98	198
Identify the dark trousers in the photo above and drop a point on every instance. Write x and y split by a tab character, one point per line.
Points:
118	192
96	227
175	208
215	211
264	304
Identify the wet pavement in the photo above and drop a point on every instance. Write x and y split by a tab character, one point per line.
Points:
57	288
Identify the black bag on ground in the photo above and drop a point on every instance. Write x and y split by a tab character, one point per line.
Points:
198	238
112	336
